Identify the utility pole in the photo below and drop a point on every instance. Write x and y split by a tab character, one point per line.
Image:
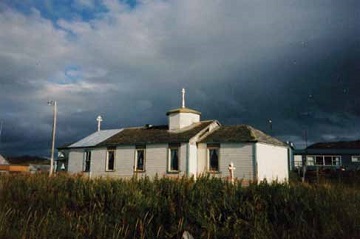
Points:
305	159
53	103
1	127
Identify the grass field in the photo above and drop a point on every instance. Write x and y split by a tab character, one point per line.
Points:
36	206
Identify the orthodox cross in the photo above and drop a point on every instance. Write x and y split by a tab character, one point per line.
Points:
183	98
99	120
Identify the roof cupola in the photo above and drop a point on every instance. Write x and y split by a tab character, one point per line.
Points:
182	117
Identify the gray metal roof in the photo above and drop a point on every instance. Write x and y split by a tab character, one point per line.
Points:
95	138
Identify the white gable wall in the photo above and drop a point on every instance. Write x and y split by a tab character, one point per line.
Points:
272	162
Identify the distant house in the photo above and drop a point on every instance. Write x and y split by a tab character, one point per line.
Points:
330	155
24	164
4	164
3	161
186	146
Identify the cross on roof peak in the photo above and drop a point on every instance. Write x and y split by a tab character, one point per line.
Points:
183	98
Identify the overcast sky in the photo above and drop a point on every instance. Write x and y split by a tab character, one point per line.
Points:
241	62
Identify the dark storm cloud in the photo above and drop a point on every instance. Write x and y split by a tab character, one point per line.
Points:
294	62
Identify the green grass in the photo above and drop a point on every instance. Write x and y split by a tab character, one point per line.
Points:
36	206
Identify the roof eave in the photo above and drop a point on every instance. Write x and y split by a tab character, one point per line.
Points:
183	110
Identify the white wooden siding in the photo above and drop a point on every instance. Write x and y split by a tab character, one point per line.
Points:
75	164
156	159
181	120
125	161
241	155
97	163
202	158
192	159
272	162
183	157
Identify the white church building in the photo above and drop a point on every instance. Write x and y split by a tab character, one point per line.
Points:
186	146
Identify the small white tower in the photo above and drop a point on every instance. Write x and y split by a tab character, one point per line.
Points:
182	117
99	120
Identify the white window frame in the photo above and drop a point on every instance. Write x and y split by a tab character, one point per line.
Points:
335	160
310	160
113	151
136	169
355	158
87	158
209	149
169	168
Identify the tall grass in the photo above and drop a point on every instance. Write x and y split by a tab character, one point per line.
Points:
36	206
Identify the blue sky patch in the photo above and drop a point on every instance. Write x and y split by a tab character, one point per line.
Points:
64	9
72	74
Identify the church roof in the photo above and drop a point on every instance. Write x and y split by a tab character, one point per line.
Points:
154	134
161	135
240	133
94	139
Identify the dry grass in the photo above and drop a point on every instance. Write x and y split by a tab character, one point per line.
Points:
35	206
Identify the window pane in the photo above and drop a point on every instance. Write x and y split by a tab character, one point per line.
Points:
214	159
297	162
328	160
111	160
336	161
319	160
310	161
174	160
140	160
87	161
